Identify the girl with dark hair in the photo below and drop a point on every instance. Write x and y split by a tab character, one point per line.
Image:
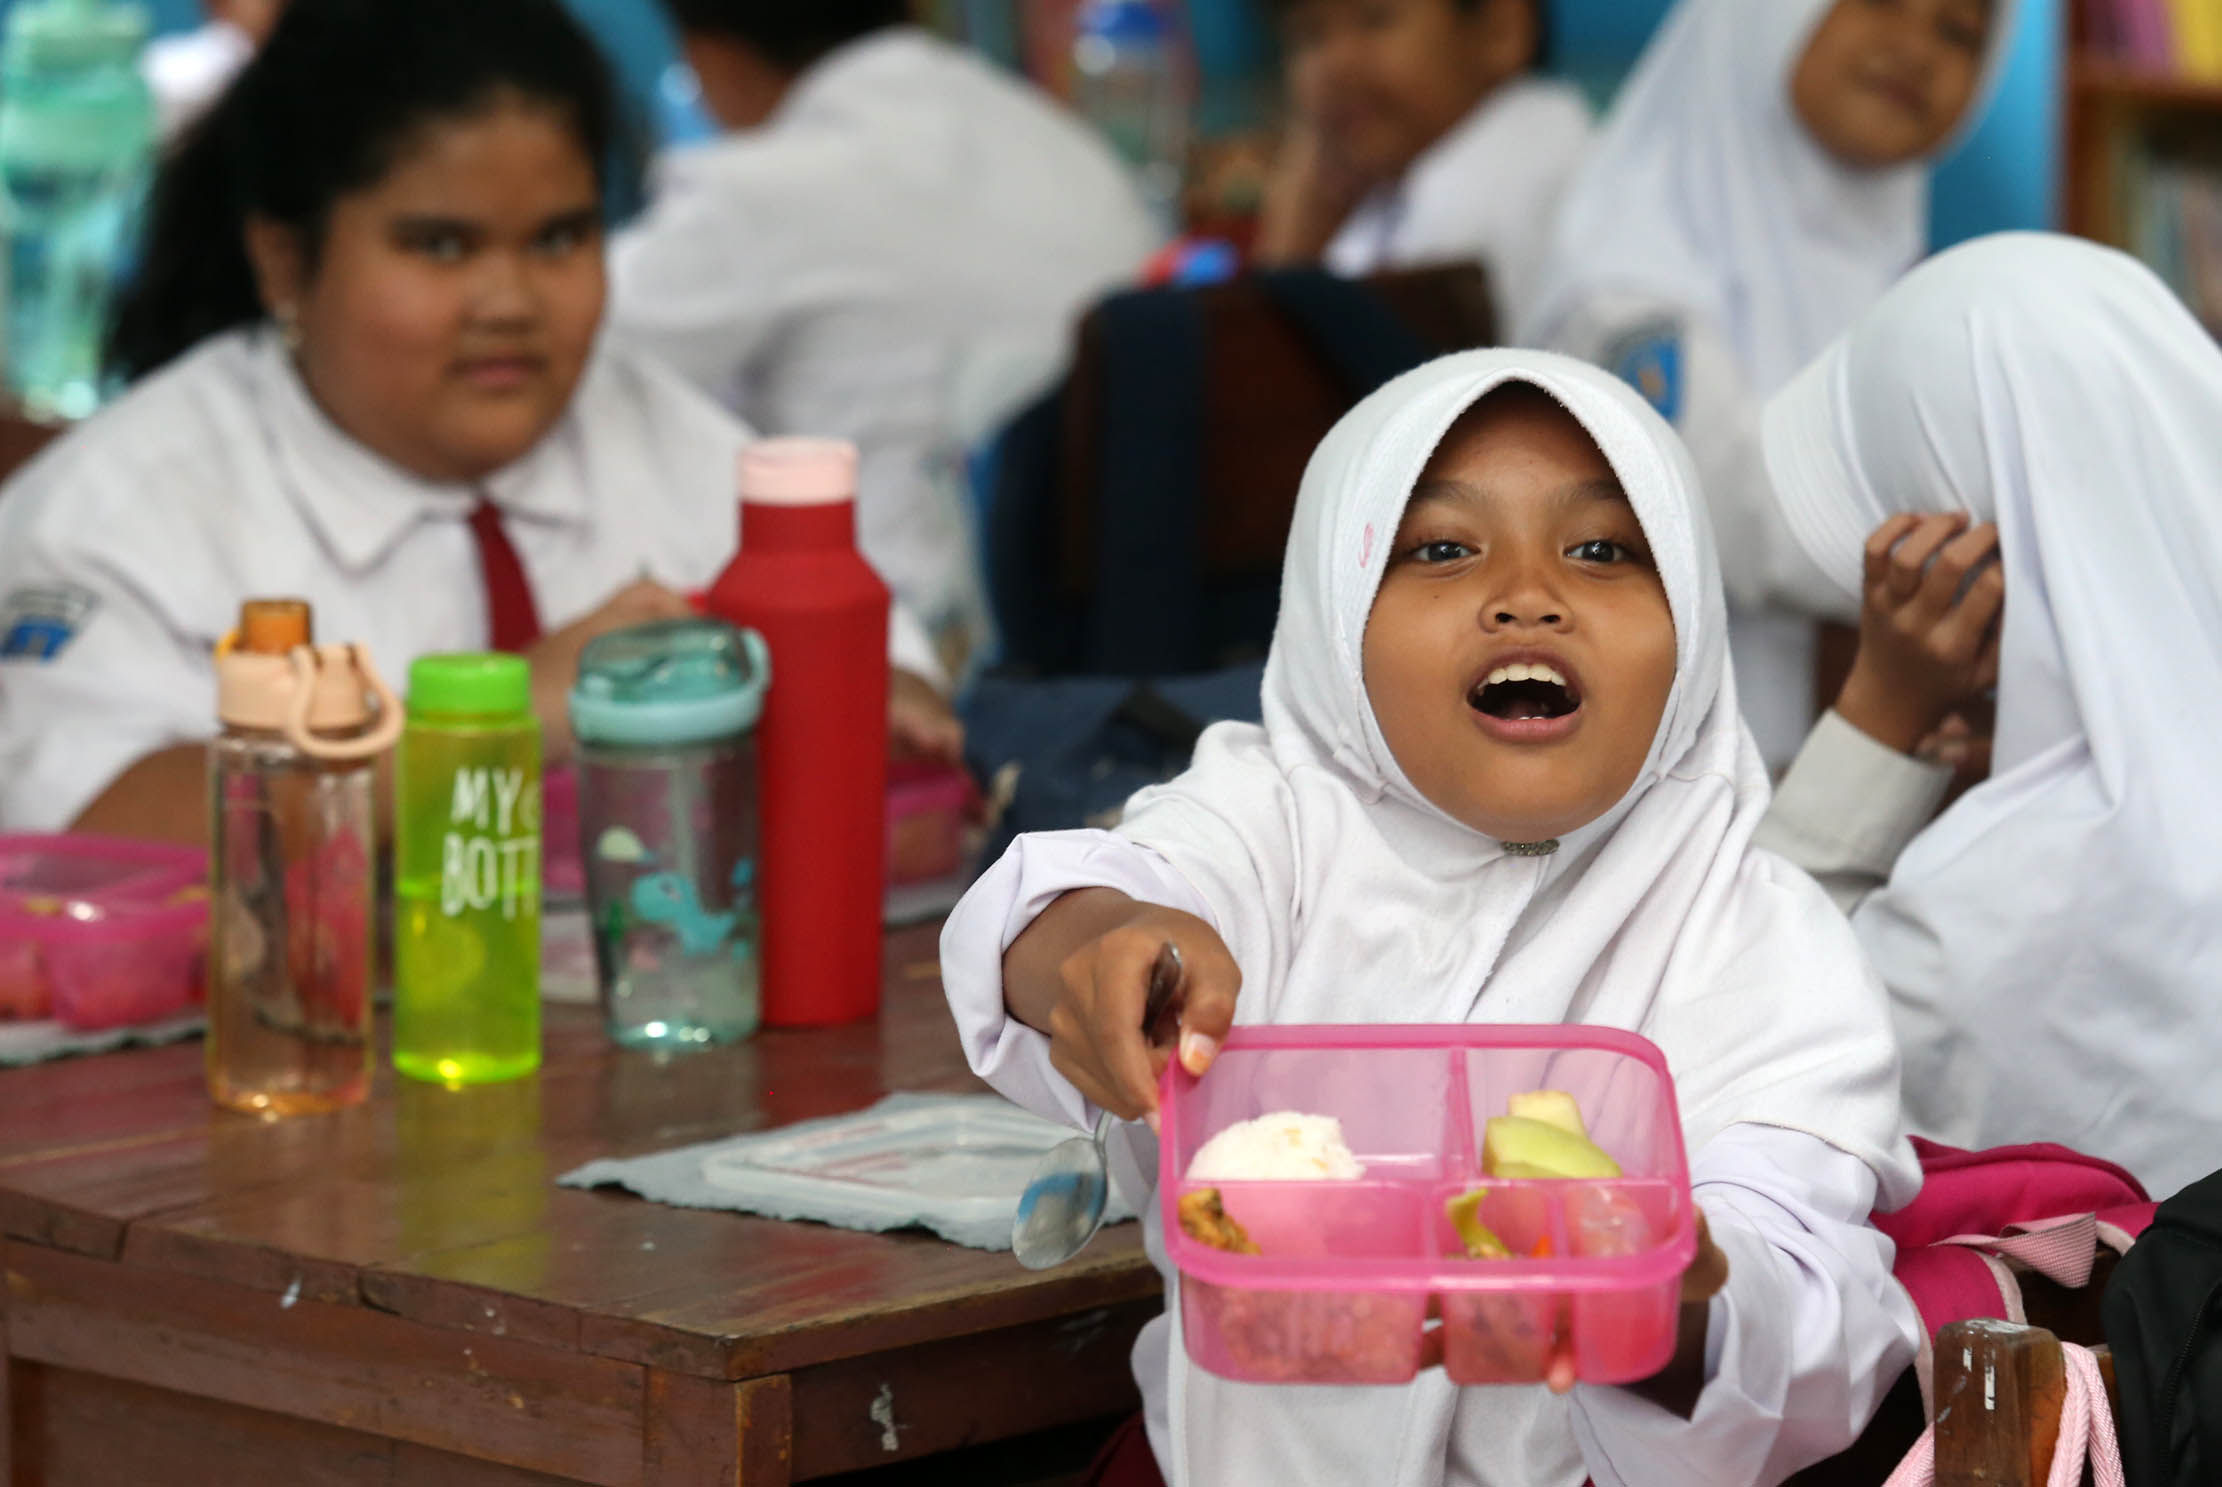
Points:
1420	133
365	345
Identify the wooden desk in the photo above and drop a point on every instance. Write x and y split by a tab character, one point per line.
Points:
400	1293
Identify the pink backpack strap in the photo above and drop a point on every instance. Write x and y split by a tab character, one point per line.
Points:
2119	1228
1950	1284
2086	1434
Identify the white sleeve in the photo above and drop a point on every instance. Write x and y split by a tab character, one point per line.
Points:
1027	879
687	283
1848	807
1802	1345
910	648
121	684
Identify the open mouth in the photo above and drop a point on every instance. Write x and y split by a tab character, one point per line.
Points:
1524	692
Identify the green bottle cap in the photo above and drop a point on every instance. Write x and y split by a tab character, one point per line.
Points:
479	684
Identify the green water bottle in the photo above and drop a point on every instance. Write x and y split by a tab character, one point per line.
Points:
467	873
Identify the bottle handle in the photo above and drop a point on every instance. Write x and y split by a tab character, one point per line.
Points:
382	734
759	654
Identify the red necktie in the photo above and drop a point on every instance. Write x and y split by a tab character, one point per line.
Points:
512	619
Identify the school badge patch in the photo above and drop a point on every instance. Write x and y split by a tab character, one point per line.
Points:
1649	359
38	621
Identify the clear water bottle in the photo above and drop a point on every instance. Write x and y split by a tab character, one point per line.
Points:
76	143
292	865
665	716
1131	81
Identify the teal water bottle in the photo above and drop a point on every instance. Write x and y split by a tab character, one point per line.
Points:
76	143
467	873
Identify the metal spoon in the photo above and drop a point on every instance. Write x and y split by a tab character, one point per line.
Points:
1062	1206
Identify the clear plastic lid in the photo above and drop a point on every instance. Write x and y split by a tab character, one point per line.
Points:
673	682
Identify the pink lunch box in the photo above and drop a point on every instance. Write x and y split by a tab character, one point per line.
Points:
1354	1275
98	931
925	822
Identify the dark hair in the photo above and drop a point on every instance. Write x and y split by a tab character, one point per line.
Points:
789	33
1542	9
325	110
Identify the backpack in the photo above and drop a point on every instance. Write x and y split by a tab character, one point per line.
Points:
2042	1205
1134	518
1068	752
2163	1312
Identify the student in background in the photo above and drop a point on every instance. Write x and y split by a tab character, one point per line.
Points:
2008	471
366	338
189	71
891	244
1406	839
1762	177
1418	134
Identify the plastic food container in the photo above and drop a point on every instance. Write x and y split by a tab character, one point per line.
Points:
100	932
1354	1274
925	823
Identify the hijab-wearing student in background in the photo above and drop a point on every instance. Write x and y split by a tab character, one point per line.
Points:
1404	840
2009	470
891	244
1761	179
367	335
1419	134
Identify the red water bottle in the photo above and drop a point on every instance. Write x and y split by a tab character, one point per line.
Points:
822	745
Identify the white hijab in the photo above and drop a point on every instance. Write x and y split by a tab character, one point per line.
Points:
1706	191
1347	897
2053	944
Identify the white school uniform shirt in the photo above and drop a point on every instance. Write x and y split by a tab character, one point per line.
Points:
1345	896
126	548
189	71
1489	189
897	257
2053	943
1709	248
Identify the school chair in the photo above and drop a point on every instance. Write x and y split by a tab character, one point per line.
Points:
2000	1391
1967	1448
1139	511
21	438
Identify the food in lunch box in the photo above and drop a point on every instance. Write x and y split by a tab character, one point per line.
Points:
1205	1220
1292	1337
1542	1136
1282	1147
1480	1241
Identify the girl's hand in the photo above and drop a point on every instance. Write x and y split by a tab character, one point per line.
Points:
1928	631
1676	1386
920	723
1308	196
555	656
1081	973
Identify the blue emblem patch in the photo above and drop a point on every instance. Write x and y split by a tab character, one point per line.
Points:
37	622
1650	361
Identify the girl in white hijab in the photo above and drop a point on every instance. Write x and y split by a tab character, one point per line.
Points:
1409	839
1762	177
2053	943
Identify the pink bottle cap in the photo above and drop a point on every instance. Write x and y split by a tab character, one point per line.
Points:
798	472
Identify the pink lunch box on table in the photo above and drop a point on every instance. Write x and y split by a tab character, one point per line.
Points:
100	932
1353	1275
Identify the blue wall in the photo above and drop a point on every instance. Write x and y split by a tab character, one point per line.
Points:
2006	174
